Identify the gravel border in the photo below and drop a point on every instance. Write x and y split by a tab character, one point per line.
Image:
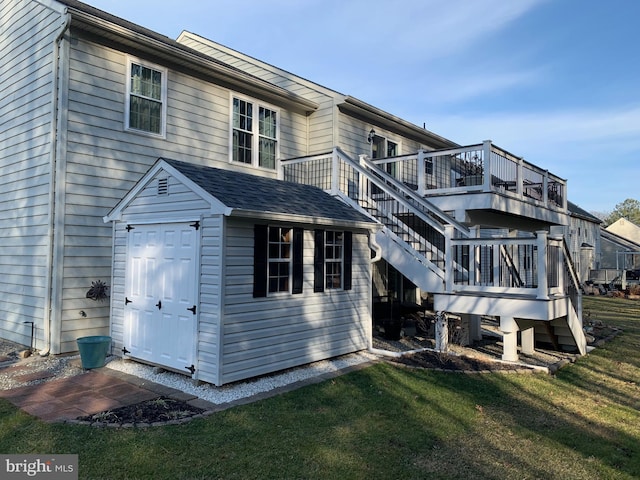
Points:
245	389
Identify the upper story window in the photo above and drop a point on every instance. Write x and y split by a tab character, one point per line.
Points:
254	133
146	98
382	147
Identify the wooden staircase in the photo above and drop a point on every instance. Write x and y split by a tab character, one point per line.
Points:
527	282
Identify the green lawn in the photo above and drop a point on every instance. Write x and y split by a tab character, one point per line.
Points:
387	422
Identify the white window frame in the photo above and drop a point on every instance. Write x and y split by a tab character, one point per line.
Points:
333	260
255	135
280	259
163	97
386	141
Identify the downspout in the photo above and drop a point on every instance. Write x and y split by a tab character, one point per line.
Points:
52	184
373	245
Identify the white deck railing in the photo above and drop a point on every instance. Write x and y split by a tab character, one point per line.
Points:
477	168
530	267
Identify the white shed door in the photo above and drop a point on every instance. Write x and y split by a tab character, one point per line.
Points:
161	293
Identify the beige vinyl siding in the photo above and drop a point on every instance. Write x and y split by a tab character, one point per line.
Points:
262	335
320	136
103	162
210	299
26	82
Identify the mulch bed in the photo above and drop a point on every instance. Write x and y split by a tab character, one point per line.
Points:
161	409
444	361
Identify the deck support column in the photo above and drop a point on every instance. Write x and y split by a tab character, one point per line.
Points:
475	327
509	329
527	339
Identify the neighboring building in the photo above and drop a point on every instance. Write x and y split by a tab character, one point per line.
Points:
89	104
626	229
583	238
618	253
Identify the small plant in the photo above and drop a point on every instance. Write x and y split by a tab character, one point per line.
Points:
104	416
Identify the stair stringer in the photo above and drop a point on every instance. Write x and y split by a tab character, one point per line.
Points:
423	273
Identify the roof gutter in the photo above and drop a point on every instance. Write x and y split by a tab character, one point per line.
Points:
52	184
194	60
294	218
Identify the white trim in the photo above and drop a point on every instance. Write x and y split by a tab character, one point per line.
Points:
255	140
163	96
279	259
116	213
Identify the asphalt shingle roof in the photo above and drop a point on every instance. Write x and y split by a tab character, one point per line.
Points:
243	191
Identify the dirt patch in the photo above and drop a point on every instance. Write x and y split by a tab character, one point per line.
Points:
449	362
161	409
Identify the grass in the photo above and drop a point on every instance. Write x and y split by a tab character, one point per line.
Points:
389	422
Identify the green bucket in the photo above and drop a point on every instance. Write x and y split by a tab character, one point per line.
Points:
93	350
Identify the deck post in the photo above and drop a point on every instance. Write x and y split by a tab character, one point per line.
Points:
422	174
448	259
475	328
543	284
335	173
509	329
527	338
486	164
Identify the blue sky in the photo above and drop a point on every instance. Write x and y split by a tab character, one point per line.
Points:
554	81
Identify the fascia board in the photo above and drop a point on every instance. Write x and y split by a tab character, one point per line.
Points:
193	60
305	219
217	207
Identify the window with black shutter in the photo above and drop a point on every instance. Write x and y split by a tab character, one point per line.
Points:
332	260
278	260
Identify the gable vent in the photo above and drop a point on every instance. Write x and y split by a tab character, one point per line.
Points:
163	186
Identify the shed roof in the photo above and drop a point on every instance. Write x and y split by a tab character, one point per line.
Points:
252	193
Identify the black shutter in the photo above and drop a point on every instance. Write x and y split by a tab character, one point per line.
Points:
260	260
348	258
318	261
298	245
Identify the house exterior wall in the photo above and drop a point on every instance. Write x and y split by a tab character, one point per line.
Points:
583	233
27	47
103	161
262	335
321	124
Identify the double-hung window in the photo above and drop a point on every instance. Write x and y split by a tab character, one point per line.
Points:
278	252
333	247
279	270
332	260
146	101
254	133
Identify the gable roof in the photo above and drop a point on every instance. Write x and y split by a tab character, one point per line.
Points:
242	194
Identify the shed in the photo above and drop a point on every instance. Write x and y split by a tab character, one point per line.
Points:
225	276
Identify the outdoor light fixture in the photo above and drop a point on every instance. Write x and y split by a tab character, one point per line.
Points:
372	133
